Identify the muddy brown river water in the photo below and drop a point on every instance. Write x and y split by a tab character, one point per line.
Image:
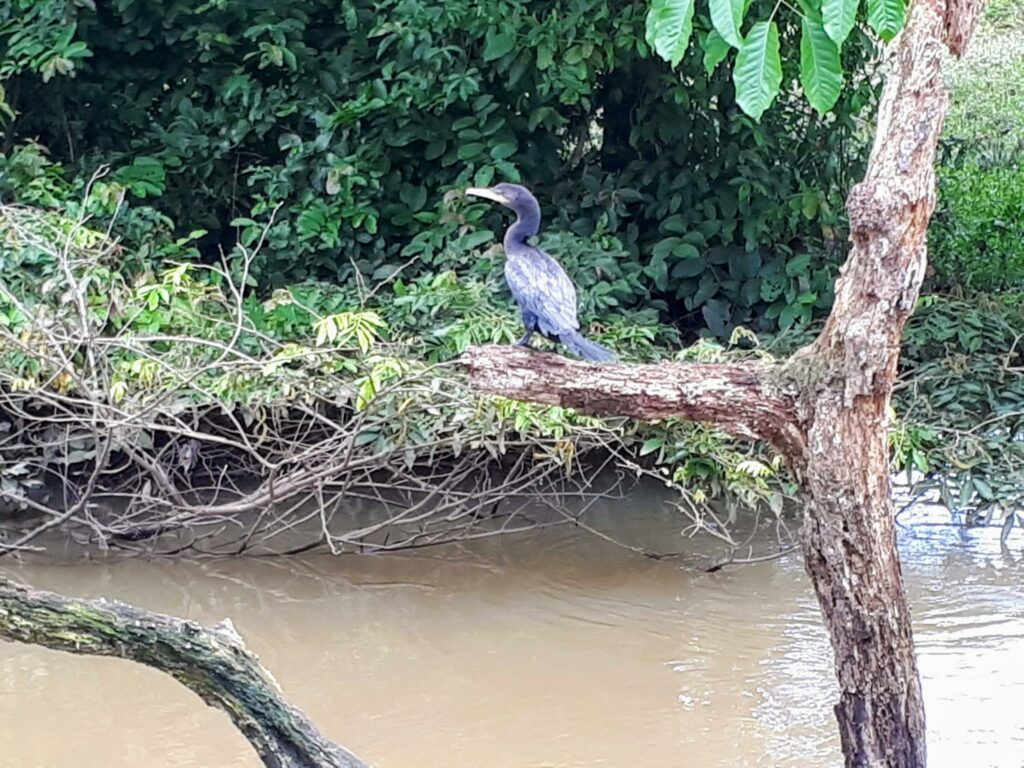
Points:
552	649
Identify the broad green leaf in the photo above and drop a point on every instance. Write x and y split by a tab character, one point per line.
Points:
651	24
685	251
688	268
789	315
772	287
651	445
821	73
503	150
727	18
798	264
840	16
669	25
810	203
886	17
715	50
471	150
657	270
545	57
966	491
717	313
664	247
497	44
707	288
758	71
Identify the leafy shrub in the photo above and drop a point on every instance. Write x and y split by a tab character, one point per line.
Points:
977	235
29	177
355	120
316	385
962	403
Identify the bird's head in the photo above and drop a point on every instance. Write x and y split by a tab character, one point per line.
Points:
514	196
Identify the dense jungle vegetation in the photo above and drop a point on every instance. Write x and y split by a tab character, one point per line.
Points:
235	248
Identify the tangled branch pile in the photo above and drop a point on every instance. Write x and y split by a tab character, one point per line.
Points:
171	409
174	412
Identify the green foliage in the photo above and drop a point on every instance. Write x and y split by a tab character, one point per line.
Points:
38	37
177	339
356	124
352	129
886	17
839	17
727	19
669	26
825	26
977	234
447	315
820	71
962	405
29	177
758	71
182	341
985	124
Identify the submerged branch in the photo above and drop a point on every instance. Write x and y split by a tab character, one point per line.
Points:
212	663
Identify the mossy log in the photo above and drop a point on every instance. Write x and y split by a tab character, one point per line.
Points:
211	662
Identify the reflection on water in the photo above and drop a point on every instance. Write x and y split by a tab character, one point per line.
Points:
555	649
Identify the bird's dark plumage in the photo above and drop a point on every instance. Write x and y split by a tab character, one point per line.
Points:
543	291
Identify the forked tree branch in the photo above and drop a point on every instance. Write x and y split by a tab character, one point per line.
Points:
741	399
213	663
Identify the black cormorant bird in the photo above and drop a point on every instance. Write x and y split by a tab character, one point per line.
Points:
543	291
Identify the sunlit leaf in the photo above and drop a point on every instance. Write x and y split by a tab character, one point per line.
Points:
753	468
886	17
669	26
715	50
839	16
497	44
727	18
758	71
651	445
821	73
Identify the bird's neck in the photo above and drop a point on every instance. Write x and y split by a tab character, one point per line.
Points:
527	224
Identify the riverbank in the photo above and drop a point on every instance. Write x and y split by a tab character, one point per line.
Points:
155	398
174	412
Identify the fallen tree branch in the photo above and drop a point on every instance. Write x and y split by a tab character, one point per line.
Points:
740	399
212	663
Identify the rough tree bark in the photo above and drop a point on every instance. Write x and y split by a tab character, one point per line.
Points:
213	663
826	406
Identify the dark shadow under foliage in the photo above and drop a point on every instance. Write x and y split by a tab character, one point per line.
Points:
357	118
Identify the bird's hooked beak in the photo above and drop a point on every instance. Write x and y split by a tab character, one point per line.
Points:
488	193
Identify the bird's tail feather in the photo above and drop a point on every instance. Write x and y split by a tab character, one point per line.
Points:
589	350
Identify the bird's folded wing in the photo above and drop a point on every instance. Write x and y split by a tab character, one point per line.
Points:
541	287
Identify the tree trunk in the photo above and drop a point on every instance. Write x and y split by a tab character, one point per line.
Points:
213	663
848	539
826	407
